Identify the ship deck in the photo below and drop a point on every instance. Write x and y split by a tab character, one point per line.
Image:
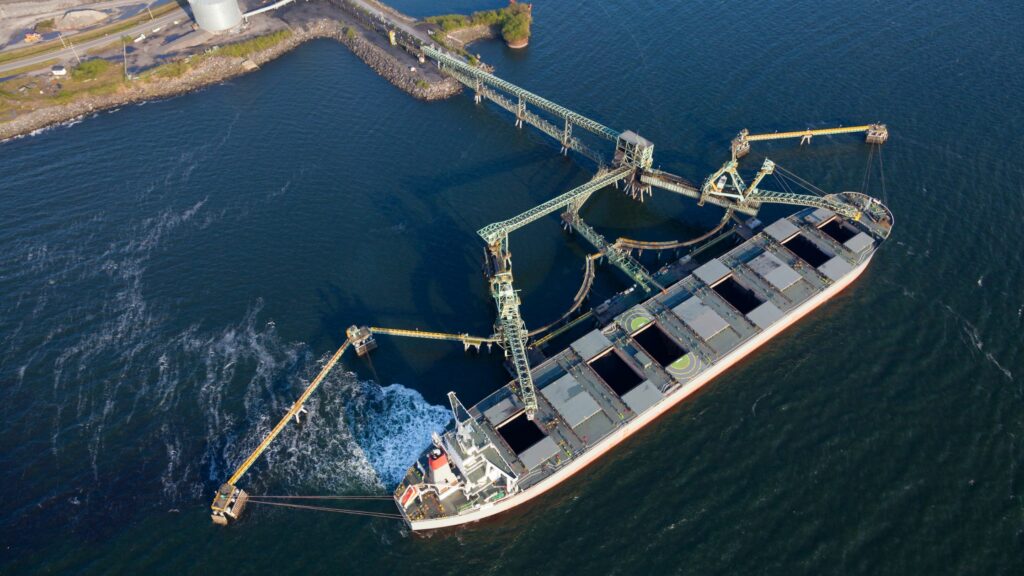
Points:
650	349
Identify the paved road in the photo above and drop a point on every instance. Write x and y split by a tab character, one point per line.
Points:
66	54
411	30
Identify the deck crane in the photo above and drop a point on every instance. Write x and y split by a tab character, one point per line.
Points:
509	326
877	133
726	188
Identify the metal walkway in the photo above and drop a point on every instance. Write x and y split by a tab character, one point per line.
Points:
632	244
467	340
617	256
577	301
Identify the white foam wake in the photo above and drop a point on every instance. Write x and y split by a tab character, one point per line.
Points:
393	425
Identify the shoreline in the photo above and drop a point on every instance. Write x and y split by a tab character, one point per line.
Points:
511	24
466	36
463	37
221	68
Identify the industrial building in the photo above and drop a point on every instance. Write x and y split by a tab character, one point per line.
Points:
216	15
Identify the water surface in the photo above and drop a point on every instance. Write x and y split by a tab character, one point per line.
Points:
172	274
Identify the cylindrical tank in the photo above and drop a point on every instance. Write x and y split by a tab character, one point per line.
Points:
216	15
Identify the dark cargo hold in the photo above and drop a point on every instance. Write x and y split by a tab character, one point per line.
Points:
660	346
741	299
520	433
806	250
838	230
616	373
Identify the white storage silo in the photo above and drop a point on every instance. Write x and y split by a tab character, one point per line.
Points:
216	15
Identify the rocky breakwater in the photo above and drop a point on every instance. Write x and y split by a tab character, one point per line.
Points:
389	67
213	69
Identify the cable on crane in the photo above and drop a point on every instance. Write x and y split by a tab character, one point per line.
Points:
801	182
782	181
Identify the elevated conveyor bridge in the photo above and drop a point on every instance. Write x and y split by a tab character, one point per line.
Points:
493	233
523	115
478	77
230	500
467	340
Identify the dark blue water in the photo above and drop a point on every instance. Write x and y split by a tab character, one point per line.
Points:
172	275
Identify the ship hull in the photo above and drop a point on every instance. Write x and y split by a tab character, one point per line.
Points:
669	401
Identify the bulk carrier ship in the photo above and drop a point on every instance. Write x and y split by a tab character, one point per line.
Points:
656	343
618	378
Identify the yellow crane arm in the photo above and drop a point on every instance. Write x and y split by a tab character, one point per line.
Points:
808	133
229	500
876	134
296	407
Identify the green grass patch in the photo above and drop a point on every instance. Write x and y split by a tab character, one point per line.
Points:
90	69
105	88
248	47
44	26
516	27
171	69
439	37
95	77
513	21
450	22
63	97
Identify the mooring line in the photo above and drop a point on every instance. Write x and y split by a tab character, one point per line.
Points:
326	509
321	497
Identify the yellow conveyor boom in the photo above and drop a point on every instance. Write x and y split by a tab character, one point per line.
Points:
876	134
